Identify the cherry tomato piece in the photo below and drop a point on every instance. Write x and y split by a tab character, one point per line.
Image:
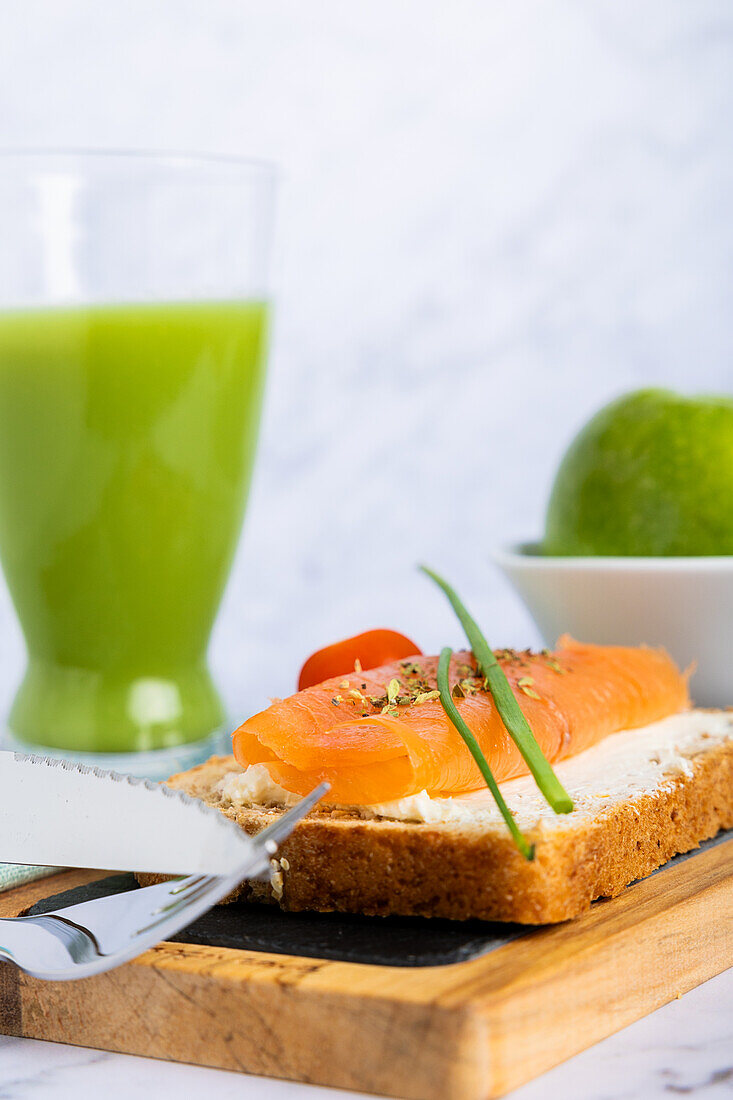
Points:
370	649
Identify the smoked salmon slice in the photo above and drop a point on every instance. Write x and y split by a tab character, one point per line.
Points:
382	734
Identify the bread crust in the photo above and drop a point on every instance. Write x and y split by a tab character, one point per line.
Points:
337	861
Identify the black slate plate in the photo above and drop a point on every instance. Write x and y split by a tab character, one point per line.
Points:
383	941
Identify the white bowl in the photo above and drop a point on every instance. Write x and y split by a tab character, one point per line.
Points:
683	604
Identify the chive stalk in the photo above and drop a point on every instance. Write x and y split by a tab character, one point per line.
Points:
506	703
451	710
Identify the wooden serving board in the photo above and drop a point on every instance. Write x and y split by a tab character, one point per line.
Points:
468	1031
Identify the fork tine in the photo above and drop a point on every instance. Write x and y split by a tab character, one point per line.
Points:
266	844
185	897
274	834
185	884
179	904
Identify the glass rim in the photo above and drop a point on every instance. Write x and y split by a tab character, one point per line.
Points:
170	159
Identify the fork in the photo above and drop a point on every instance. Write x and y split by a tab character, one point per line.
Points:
86	939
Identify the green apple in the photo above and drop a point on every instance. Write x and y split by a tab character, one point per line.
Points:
650	475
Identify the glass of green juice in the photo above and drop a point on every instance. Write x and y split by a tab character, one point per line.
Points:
133	324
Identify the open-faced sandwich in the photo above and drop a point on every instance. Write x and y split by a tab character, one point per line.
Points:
499	785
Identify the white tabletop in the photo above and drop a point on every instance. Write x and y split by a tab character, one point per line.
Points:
683	1049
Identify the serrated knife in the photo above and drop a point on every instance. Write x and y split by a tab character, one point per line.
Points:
60	814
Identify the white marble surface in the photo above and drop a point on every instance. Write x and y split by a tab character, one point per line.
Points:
683	1049
493	217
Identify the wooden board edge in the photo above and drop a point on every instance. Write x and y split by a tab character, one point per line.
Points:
11	1012
279	1029
482	1027
530	1029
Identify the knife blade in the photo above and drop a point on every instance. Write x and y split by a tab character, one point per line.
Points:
57	813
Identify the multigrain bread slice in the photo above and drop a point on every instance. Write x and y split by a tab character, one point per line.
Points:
641	797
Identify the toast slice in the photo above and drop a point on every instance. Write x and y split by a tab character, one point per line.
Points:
640	796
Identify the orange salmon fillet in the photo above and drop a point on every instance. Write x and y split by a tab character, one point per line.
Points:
376	743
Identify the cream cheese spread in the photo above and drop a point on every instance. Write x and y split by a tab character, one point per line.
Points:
624	765
254	787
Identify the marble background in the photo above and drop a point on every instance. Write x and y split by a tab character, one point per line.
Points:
493	218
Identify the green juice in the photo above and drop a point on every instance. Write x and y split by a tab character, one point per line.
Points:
127	437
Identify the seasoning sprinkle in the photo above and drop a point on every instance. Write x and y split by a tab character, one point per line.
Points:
425	697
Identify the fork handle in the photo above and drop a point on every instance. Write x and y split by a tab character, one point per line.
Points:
16	939
12	939
46	941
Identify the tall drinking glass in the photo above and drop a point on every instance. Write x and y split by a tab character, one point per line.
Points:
133	317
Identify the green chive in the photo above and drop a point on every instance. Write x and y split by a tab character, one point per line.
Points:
451	710
506	703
